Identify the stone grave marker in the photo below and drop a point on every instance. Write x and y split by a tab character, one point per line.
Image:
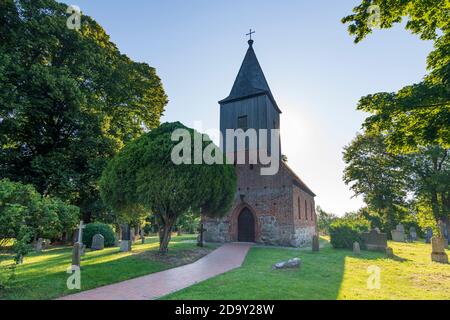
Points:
39	244
356	248
428	235
76	254
315	243
142	237
375	241
200	238
390	253
98	242
438	250
398	235
125	244
413	234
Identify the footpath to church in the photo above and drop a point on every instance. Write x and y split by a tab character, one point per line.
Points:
156	285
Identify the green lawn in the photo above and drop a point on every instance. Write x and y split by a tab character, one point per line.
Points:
43	276
330	274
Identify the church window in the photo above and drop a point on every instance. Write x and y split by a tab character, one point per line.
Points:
299	209
306	210
243	123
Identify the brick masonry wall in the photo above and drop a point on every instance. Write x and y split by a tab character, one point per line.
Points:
273	200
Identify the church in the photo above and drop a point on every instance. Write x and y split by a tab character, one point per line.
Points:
268	209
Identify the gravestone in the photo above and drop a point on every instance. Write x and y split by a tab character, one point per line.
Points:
413	234
98	242
389	253
83	249
444	232
76	254
125	244
315	243
38	246
132	235
142	236
356	248
398	235
375	241
200	238
428	235
46	244
438	250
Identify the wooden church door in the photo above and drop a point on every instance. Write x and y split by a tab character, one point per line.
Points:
246	226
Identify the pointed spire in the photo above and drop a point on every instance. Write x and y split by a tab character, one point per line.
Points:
250	80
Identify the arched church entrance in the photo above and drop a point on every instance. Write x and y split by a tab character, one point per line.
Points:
246	226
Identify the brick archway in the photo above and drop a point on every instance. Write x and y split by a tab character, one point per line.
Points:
234	221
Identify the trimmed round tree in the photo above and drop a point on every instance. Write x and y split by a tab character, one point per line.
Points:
144	178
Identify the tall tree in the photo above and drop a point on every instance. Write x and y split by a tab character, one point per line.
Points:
419	114
69	101
143	178
377	175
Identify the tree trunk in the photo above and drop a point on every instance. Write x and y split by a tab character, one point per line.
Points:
165	235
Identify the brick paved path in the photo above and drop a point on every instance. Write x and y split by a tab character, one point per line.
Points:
153	286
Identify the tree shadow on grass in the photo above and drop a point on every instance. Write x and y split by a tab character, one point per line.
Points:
46	279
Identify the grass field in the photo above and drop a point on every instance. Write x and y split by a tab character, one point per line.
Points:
43	276
331	274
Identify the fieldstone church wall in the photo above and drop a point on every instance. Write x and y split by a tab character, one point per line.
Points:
274	201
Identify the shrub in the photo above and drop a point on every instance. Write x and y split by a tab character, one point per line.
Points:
344	232
98	228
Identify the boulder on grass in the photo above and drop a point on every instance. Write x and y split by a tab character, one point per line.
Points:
290	264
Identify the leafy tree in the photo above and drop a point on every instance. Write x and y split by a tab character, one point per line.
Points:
24	214
68	101
143	178
189	222
430	170
377	175
419	114
324	219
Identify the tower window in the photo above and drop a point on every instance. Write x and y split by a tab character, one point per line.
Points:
242	123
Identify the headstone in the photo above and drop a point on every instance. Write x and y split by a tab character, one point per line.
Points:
413	234
126	232
98	242
46	244
76	254
125	244
200	239
142	237
116	241
132	235
398	235
428	235
315	243
83	249
38	246
356	248
375	241
389	252
290	264
438	250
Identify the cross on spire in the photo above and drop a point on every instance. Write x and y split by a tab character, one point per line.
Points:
250	33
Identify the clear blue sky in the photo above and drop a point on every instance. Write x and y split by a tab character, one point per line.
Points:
315	71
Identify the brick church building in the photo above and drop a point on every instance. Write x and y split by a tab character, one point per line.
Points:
270	209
